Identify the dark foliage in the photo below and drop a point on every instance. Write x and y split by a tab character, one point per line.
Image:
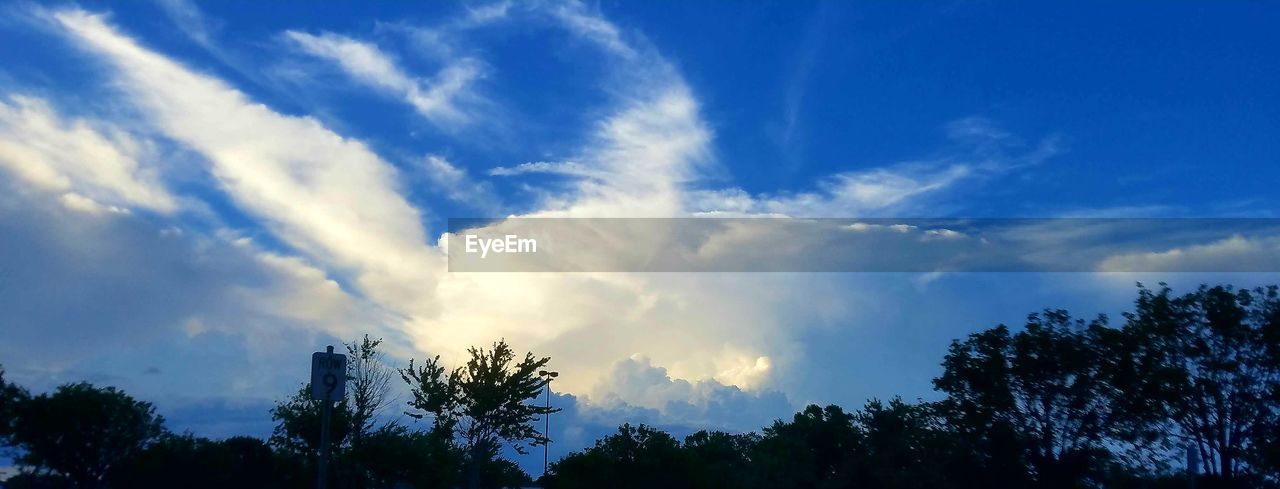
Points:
11	397
82	432
1060	403
298	424
422	459
187	461
485	403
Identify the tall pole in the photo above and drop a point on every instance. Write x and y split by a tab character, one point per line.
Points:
546	430
546	419
323	478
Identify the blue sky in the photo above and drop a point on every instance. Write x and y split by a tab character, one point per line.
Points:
195	197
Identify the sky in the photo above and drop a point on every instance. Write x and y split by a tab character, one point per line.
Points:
194	197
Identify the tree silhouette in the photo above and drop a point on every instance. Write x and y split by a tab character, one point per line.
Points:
1060	403
395	454
907	446
11	397
82	432
633	457
370	381
193	462
1207	362
815	449
485	402
717	458
298	419
1031	399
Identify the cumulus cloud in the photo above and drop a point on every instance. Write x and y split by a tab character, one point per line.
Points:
635	381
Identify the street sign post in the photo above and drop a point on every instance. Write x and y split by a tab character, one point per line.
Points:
328	384
328	375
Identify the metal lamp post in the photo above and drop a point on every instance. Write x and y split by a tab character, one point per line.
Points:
546	418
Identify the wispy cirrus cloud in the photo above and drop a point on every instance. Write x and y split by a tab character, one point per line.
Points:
459	186
801	72
566	168
326	195
982	150
188	17
591	25
439	99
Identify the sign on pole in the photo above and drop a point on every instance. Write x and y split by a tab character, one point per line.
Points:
328	384
328	376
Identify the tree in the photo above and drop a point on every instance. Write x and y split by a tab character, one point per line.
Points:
907	446
720	459
194	462
11	397
633	457
394	454
815	449
82	432
1207	362
485	402
370	382
500	473
298	420
1032	399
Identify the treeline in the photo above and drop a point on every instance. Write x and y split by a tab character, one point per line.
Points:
83	436
1062	402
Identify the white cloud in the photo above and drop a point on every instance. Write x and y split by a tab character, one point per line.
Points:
442	40
458	186
438	99
1233	254
567	168
484	14
592	26
635	381
985	152
640	158
81	290
187	16
77	202
326	195
338	204
94	165
855	193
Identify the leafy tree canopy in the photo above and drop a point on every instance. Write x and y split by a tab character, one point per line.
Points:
82	431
